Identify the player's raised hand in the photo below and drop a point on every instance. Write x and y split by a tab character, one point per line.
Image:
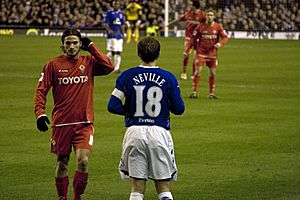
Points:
41	123
86	42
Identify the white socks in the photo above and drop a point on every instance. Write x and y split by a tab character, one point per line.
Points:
165	196
136	196
161	196
117	61
109	55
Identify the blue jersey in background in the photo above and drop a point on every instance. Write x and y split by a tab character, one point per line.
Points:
151	93
115	20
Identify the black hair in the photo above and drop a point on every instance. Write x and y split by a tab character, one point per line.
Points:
70	31
148	49
196	4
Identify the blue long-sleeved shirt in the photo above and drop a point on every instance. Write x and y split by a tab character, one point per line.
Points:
150	93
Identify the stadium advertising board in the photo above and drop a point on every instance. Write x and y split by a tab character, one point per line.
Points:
48	32
264	35
178	33
256	35
7	32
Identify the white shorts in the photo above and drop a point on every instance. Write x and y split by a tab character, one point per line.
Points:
115	45
148	153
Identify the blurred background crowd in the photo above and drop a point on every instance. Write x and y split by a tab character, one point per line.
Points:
251	15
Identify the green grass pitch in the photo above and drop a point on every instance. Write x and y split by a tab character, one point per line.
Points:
243	146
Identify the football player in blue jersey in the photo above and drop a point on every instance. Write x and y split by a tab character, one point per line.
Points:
150	93
114	23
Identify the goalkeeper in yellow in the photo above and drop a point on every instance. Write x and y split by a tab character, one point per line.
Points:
133	13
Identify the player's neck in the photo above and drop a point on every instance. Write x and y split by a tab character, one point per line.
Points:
151	64
72	57
210	23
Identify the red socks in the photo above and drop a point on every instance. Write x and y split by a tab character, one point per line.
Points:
79	184
212	81
194	67
62	184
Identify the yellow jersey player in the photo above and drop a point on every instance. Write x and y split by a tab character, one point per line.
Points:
133	13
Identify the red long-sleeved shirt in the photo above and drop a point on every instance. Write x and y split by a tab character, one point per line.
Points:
193	19
72	82
206	36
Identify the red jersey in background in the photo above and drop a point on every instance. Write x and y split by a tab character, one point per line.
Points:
72	82
206	36
193	19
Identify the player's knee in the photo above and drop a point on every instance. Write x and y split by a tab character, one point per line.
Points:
83	163
109	54
198	71
137	24
138	185
162	186
62	165
212	72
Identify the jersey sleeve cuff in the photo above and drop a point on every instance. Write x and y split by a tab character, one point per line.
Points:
118	93
41	116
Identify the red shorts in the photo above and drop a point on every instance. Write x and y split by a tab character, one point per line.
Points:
210	62
80	136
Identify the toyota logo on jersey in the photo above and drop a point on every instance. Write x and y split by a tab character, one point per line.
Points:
72	80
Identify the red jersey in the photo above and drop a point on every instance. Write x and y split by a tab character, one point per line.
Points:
72	82
193	19
206	36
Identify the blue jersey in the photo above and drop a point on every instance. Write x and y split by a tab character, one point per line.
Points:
150	93
115	20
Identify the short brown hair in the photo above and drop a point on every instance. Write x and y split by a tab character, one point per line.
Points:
148	49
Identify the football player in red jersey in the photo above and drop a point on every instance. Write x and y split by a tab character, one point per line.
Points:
71	77
193	18
207	38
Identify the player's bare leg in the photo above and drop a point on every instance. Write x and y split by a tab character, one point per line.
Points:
163	189
186	54
61	177
81	174
138	187
212	81
184	65
193	70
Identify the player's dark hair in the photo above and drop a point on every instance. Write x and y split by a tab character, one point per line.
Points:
196	4
148	49
70	31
